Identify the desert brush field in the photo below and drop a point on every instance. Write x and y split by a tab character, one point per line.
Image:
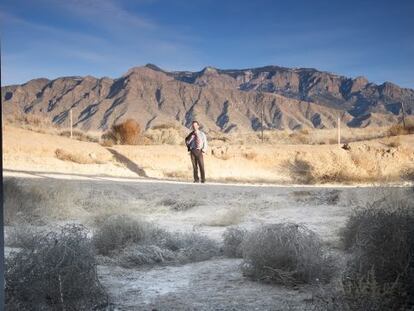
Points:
293	223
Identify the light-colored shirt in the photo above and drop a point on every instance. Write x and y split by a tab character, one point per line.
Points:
192	141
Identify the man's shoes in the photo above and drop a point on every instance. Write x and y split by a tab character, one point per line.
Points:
203	181
196	181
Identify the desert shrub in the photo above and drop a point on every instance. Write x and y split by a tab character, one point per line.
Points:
361	293
138	255
79	135
56	272
301	171
22	236
140	243
76	157
170	248
125	133
285	253
21	204
233	238
191	247
164	135
118	231
34	202
381	237
399	129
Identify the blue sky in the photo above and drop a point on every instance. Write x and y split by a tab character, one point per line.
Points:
52	38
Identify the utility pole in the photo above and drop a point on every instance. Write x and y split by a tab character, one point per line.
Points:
71	123
259	99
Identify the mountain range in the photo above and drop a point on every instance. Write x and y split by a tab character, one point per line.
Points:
221	100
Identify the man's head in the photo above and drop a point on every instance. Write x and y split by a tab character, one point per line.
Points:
195	125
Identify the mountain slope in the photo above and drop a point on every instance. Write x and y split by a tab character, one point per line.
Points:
224	100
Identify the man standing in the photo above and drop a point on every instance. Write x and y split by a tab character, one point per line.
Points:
196	143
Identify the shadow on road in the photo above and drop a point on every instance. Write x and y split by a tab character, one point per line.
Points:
128	163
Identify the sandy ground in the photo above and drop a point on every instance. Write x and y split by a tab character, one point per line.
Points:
366	161
216	284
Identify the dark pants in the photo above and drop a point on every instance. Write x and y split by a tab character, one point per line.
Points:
197	161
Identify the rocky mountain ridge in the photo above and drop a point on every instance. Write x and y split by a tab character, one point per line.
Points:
222	100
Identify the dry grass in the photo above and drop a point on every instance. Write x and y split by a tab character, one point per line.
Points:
56	271
394	142
287	254
79	135
161	135
400	129
29	121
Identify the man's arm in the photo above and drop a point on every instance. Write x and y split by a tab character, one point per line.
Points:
188	138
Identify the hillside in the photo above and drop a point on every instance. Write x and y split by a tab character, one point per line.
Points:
222	100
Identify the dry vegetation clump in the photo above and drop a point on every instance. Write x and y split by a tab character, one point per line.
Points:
134	243
30	121
180	204
233	238
380	273
286	253
301	171
162	134
21	204
77	157
364	293
57	271
221	152
381	237
22	235
400	129
125	133
79	135
118	231
38	203
393	143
